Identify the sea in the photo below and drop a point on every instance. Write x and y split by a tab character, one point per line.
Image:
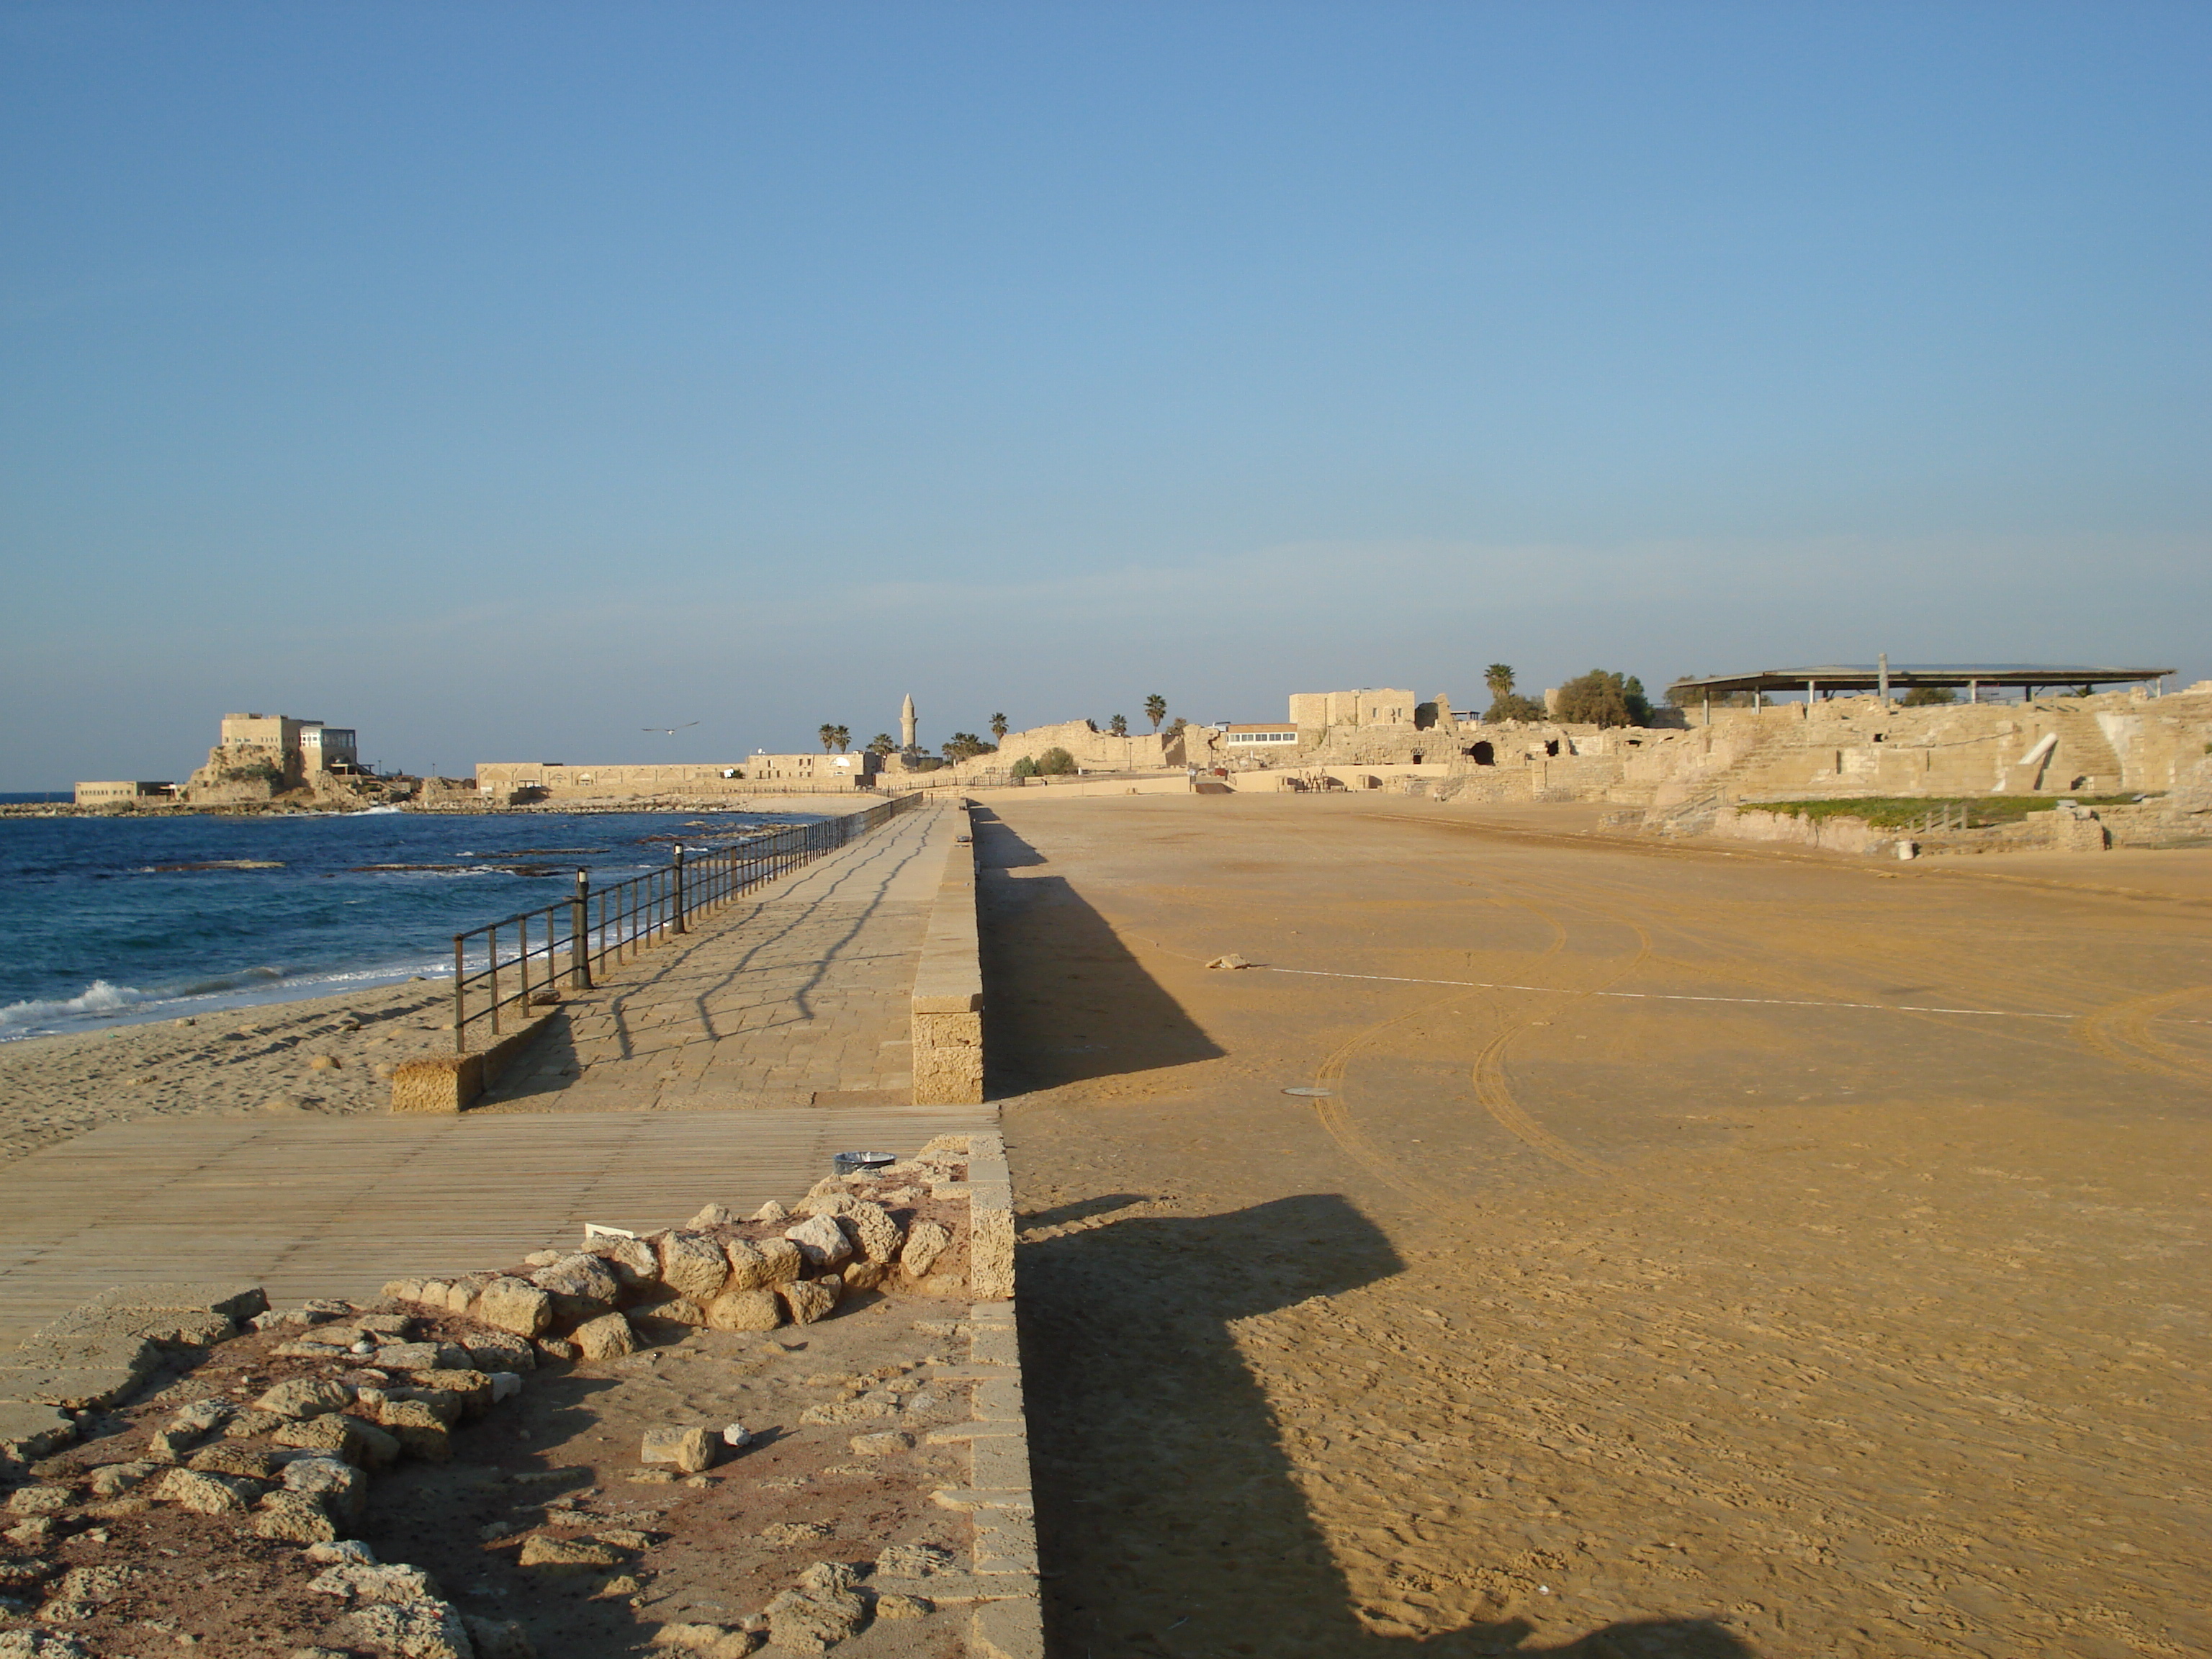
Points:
122	919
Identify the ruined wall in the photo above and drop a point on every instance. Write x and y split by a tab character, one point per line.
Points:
1094	750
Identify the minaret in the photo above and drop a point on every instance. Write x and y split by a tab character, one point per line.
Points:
906	723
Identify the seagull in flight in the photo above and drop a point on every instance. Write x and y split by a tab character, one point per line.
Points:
669	731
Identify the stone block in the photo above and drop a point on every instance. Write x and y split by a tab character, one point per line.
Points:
502	1352
782	1261
206	1494
409	1405
608	1337
811	1299
693	1265
1006	1541
408	1357
994	1344
305	1397
566	1554
287	1517
948	1059
337	1485
583	1287
472	1388
744	1311
926	1240
688	1448
515	1305
991	1248
999	1399
1000	1464
436	1082
29	1431
822	1241
875	1235
1010	1629
226	1457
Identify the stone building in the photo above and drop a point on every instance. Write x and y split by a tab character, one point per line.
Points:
124	793
258	756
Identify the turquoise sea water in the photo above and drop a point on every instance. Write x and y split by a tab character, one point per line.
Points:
104	922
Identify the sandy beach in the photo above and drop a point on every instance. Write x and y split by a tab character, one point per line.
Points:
250	1059
1597	1249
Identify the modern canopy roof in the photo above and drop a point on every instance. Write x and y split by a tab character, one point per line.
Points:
1871	676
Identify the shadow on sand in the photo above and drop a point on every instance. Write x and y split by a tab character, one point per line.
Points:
1167	1515
1067	1000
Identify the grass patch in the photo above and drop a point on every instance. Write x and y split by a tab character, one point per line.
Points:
1897	812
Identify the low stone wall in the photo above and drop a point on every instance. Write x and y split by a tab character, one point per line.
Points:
448	1083
1007	1621
947	1003
1833	835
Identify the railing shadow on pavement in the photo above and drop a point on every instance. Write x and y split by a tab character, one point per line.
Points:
1170	1520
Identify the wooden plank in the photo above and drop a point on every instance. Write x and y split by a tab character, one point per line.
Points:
336	1207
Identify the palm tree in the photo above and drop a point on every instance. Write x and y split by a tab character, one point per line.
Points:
1498	676
841	737
1119	726
1156	709
883	743
998	727
828	733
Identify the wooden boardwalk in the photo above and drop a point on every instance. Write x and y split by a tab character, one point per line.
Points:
336	1207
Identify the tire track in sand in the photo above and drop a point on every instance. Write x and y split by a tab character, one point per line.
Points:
2120	1032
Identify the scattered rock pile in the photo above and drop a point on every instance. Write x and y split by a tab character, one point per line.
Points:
247	1459
252	1466
892	1229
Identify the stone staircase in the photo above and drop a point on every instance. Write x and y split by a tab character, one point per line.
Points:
2084	762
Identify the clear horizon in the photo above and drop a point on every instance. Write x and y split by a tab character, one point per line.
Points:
502	382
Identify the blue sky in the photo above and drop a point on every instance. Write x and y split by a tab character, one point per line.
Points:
501	379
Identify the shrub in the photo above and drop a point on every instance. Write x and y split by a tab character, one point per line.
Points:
1025	767
1928	697
1055	763
1513	707
1599	698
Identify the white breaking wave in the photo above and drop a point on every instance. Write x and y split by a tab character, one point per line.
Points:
97	997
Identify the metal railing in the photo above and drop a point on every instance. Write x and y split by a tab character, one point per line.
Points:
577	938
1954	815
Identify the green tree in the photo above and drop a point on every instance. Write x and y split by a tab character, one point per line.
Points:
843	738
1600	698
1503	704
1156	709
998	727
1928	697
1055	763
828	733
966	746
1025	767
1119	726
883	743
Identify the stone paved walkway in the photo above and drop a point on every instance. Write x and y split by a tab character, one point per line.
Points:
787	1011
793	995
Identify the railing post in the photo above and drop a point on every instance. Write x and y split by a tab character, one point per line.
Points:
460	1001
491	961
675	893
579	932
